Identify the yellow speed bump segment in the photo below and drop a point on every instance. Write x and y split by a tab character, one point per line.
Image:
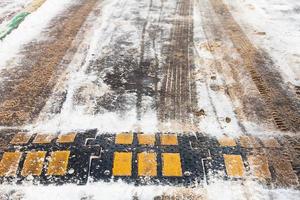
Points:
226	142
20	138
147	165
124	138
122	164
168	139
260	167
171	164
9	163
67	138
146	139
58	163
33	164
249	142
42	138
234	165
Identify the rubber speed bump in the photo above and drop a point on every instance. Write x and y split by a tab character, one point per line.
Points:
122	164
147	165
58	163
43	138
260	167
171	164
124	138
142	159
66	138
146	139
168	139
20	138
33	164
9	164
234	165
226	142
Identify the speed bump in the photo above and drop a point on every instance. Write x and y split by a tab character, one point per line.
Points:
9	164
42	138
142	159
146	139
20	138
226	142
33	164
259	166
168	139
147	165
67	138
124	138
234	165
249	142
122	164
171	164
58	163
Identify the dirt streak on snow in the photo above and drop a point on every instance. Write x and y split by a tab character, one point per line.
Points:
212	97
114	22
215	97
30	29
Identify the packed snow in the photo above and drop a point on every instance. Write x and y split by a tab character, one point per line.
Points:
217	190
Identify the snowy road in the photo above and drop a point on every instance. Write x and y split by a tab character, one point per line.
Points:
213	67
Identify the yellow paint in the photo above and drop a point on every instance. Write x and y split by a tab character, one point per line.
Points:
122	164
260	167
234	165
171	164
124	138
58	163
67	138
35	4
226	142
249	142
147	165
43	138
168	139
20	138
9	163
146	139
33	164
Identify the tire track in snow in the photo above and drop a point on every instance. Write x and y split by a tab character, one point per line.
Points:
30	84
281	106
178	93
212	35
102	85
